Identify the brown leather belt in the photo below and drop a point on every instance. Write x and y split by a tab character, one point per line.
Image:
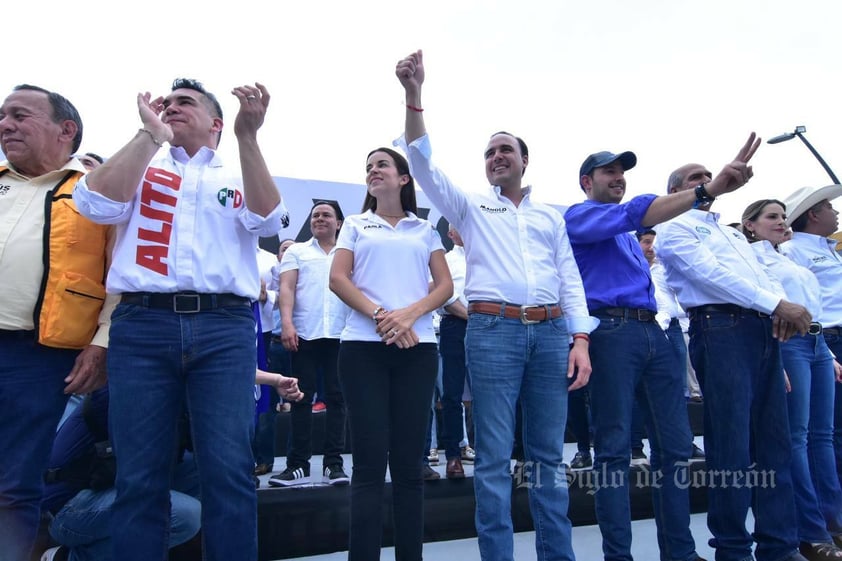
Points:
526	314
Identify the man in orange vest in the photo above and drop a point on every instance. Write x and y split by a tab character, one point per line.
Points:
53	325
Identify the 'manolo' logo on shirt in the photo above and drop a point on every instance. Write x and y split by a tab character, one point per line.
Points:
230	198
493	210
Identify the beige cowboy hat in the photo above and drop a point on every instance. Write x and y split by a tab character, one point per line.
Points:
805	198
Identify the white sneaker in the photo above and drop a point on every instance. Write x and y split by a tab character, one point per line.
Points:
433	458
55	554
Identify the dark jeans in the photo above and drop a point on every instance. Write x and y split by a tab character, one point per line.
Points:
264	433
312	357
633	361
156	360
578	418
747	441
454	372
388	391
31	402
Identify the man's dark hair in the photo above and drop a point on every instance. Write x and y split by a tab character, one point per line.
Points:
646	232
337	210
63	110
408	201
524	149
195	85
800	223
96	157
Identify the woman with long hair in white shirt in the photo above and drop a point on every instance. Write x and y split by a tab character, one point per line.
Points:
811	370
388	358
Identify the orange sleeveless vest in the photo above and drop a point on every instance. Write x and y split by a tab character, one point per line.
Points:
73	286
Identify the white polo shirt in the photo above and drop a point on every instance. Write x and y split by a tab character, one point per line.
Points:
317	313
187	228
515	254
265	261
391	267
707	263
819	255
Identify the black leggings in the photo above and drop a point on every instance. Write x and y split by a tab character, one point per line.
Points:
388	392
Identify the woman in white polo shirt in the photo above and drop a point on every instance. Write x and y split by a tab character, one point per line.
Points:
811	370
388	359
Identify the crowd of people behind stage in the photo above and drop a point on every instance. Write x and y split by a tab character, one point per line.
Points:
153	254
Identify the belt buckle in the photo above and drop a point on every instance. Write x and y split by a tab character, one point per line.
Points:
815	328
192	303
643	315
523	319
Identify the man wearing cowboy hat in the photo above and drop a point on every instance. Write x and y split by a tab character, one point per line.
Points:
813	220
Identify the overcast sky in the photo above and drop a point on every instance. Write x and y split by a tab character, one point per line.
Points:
675	81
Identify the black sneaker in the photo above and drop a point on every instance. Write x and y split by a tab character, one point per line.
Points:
582	460
291	477
335	475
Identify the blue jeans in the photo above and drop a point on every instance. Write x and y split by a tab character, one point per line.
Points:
818	497
388	392
454	372
747	443
508	360
634	361
834	343
31	403
158	361
84	523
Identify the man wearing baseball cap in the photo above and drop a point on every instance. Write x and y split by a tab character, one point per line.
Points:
813	220
630	354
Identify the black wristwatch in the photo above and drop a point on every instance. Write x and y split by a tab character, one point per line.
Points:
703	198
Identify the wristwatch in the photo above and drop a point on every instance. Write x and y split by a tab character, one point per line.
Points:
703	198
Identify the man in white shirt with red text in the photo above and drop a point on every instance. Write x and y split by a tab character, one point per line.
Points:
184	332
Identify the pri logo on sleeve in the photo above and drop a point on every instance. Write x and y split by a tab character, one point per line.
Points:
230	198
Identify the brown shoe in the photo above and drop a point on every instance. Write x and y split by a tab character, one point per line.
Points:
262	469
454	469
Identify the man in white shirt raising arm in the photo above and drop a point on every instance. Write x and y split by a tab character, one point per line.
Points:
525	301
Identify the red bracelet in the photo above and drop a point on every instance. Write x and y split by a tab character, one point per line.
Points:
416	109
581	336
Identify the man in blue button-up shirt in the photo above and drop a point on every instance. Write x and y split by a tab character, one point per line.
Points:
631	355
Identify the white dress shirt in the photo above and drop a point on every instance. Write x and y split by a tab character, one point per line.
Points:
515	254
668	306
819	255
707	263
391	267
186	229
317	313
265	261
801	285
458	267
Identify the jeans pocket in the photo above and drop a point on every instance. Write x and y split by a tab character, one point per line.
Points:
608	324
124	311
716	321
481	322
